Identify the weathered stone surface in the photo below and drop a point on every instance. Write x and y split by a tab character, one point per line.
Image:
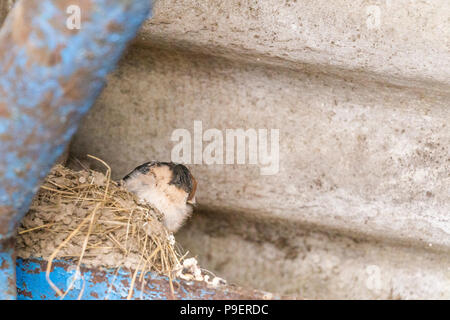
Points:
403	40
315	264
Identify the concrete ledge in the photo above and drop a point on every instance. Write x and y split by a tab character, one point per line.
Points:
399	40
313	263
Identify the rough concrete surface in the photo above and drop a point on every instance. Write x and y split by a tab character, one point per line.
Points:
400	39
364	158
315	265
360	91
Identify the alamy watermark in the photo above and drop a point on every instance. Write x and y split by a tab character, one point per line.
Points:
231	146
74	20
374	12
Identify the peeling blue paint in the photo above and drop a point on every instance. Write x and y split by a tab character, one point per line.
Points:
27	82
7	273
33	285
49	78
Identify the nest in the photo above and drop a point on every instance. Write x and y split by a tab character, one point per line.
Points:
87	217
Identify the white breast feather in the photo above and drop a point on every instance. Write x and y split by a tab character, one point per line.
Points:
174	213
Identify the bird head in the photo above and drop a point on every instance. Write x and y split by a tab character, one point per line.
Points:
169	187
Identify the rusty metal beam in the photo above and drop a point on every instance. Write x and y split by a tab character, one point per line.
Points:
95	284
50	75
7	270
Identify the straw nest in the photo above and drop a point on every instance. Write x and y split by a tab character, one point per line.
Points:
87	217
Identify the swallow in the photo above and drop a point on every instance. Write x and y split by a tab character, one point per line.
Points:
169	187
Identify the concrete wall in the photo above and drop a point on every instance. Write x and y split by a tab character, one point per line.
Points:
360	91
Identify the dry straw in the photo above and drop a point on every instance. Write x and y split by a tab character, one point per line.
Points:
87	217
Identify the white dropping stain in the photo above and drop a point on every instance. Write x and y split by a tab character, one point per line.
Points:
74	281
171	239
191	271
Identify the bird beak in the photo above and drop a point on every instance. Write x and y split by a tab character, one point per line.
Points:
192	202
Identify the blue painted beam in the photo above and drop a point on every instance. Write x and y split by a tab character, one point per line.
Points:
50	75
96	284
7	270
